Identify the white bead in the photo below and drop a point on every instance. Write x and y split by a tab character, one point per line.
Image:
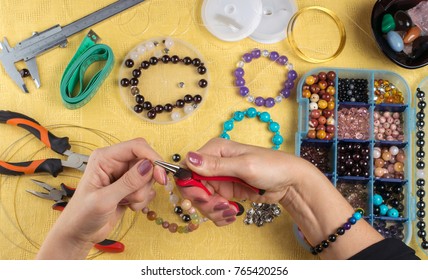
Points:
186	204
134	55
175	116
169	43
394	150
173	199
150	46
376	153
169	186
278	99
420	174
315	97
313	106
290	66
250	98
188	109
265	53
240	64
141	49
330	121
158	53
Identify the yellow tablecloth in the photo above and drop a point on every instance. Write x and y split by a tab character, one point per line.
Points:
25	219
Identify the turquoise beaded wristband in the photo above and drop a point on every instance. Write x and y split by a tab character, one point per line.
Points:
264	117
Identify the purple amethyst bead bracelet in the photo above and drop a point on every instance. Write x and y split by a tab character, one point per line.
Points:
273	56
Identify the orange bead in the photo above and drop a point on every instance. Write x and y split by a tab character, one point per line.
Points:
322	104
331	90
312	134
310	80
398	167
151	216
321	134
306	93
330	105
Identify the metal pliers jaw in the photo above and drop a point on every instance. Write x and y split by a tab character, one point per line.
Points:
75	160
54	194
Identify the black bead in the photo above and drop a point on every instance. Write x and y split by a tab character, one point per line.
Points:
332	237
420	143
196	62
136	73
179	103
178	210
186	218
145	64
420	182
420	153
24	72
166	59
420	134
421	225
340	231
187	60
202	70
202	83
151	114
124	82
420	124
129	63
420	193
420	205
422	233
147	105
420	165
158	109
420	94
424	245
138	108
420	115
422	105
197	99
324	243
153	60
168	107
139	99
420	214
176	157
133	82
313	251
188	98
175	59
318	249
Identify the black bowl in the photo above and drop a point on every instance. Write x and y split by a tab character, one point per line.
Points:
391	6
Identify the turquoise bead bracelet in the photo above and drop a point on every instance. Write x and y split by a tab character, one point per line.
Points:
250	113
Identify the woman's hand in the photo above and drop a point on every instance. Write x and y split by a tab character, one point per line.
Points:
115	178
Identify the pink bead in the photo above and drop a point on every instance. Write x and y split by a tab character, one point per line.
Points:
393	126
382	119
397	121
390	138
388	132
396	115
386	125
376	115
379	136
381	130
400	137
376	123
395	133
390	120
375	130
390	168
387	114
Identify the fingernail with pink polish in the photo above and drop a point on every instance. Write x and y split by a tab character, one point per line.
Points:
221	206
144	167
230	220
229	213
194	158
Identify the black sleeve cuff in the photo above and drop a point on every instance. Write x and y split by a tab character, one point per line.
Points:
387	249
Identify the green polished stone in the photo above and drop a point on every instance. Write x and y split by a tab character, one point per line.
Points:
388	23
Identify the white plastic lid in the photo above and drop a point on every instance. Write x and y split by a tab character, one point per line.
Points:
231	20
276	15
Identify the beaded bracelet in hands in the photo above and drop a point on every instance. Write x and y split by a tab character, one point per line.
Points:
191	218
274	56
259	213
340	231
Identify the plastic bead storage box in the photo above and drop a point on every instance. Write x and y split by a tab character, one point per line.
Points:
355	125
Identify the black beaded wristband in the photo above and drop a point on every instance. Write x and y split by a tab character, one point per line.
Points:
340	231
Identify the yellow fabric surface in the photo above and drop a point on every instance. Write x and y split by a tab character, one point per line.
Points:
25	219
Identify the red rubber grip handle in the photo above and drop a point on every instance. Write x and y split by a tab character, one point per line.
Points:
110	246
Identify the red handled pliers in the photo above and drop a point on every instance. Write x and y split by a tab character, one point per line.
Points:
186	178
51	165
61	196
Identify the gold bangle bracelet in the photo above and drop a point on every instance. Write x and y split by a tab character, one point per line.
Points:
339	25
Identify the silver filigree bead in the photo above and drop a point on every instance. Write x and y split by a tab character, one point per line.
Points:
265	53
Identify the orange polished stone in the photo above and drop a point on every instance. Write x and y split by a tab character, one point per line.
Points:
321	134
411	35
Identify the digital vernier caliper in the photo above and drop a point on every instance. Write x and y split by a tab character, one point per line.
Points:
55	36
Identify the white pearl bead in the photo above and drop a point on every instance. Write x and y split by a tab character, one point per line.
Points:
313	106
173	199
250	98
420	174
376	153
265	53
175	116
278	99
394	150
141	49
169	186
150	46
240	64
158	53
134	55
188	109
186	204
169	43
290	66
